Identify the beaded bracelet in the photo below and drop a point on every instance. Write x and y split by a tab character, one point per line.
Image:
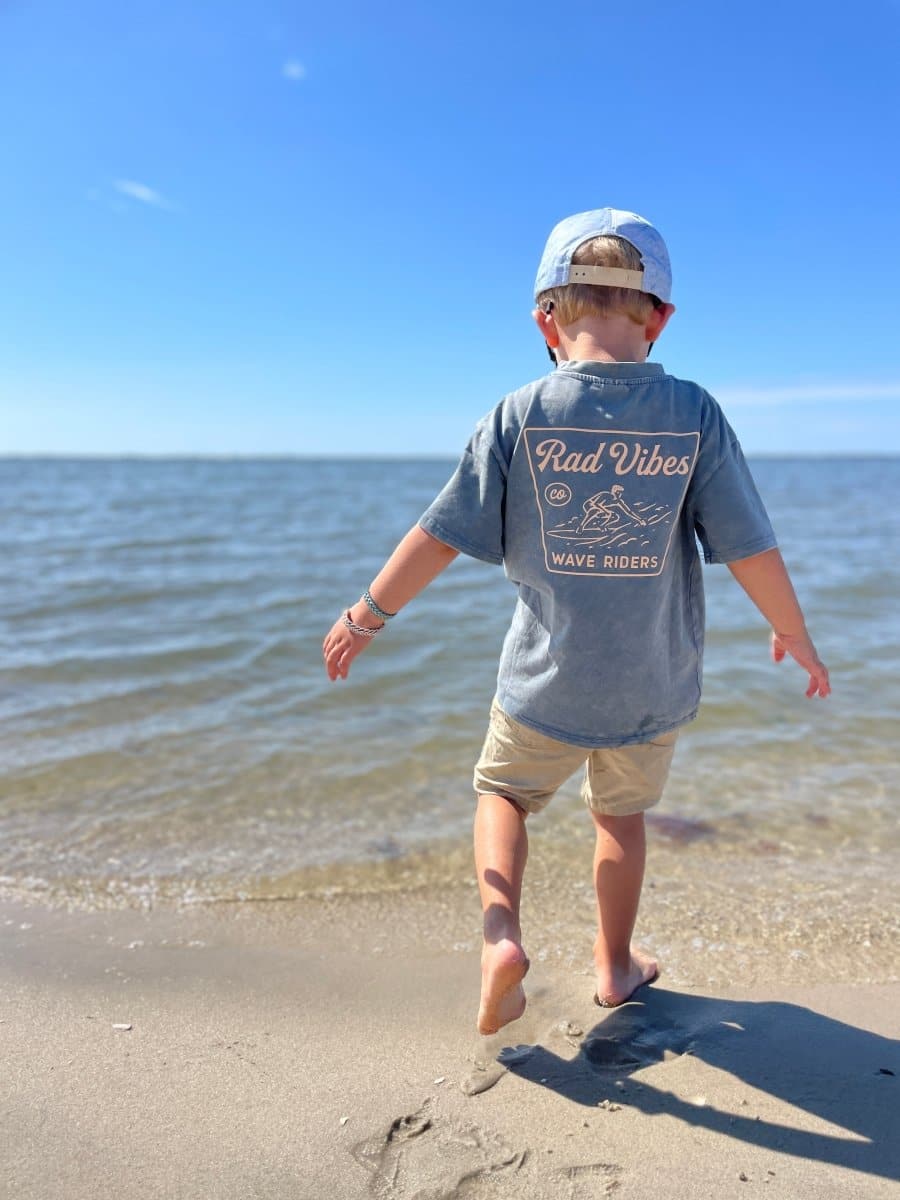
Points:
361	630
374	608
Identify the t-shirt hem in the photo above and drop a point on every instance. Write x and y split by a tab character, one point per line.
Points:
590	742
452	538
736	553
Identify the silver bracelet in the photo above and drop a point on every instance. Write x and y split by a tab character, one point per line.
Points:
374	608
360	630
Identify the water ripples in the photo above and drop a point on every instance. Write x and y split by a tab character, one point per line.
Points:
165	712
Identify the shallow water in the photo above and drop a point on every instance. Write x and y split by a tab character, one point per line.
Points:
166	727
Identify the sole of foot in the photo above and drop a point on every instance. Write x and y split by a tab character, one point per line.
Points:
504	965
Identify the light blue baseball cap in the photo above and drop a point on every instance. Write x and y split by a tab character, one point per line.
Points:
556	266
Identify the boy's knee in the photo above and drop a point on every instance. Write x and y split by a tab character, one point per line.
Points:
618	822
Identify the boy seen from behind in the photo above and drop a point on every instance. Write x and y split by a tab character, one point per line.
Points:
592	486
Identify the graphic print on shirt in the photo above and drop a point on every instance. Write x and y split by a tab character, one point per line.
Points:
609	502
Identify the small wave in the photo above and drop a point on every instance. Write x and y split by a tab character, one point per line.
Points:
124	663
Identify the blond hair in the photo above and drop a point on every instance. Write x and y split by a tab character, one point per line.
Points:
572	301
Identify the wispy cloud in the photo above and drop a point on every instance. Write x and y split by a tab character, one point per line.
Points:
809	393
293	70
140	191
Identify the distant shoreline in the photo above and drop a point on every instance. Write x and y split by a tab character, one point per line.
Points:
137	456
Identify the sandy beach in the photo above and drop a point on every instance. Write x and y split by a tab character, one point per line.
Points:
326	1047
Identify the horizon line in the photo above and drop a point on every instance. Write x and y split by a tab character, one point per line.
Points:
360	456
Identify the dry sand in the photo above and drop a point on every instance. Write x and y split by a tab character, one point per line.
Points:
324	1050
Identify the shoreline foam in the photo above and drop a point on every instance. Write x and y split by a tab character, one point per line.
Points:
714	909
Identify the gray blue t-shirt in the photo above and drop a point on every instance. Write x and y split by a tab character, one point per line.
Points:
592	486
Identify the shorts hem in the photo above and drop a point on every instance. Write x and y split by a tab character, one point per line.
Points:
526	806
622	810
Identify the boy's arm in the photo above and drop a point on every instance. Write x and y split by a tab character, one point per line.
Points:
418	559
765	579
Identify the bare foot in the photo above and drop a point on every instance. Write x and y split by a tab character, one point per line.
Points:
615	986
504	965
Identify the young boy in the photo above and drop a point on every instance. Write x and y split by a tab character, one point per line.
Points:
592	486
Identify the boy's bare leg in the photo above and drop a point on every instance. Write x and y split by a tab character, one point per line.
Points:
618	876
501	850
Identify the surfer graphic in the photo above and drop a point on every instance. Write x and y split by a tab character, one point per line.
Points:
606	508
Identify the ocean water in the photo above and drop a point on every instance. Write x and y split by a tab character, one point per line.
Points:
167	729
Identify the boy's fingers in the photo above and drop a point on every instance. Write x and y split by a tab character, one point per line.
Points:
339	650
819	683
824	683
333	653
804	653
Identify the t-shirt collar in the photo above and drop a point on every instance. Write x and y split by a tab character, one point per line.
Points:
613	370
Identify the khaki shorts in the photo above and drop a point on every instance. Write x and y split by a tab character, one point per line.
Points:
528	767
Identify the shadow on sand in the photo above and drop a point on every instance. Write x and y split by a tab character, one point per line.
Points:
839	1074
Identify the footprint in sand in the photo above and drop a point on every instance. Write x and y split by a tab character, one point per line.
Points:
490	1071
423	1156
419	1155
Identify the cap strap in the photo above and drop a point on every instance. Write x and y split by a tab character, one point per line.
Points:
610	276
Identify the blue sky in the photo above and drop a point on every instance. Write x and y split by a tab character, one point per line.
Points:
293	228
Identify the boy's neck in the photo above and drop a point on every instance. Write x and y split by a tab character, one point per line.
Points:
603	339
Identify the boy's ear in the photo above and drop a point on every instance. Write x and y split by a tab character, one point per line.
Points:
658	321
547	325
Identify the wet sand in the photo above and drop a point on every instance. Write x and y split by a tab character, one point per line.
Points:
326	1047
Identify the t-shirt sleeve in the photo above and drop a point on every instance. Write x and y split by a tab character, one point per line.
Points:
468	514
729	517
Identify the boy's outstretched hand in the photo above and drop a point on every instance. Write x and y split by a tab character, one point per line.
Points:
418	558
340	648
765	579
801	649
